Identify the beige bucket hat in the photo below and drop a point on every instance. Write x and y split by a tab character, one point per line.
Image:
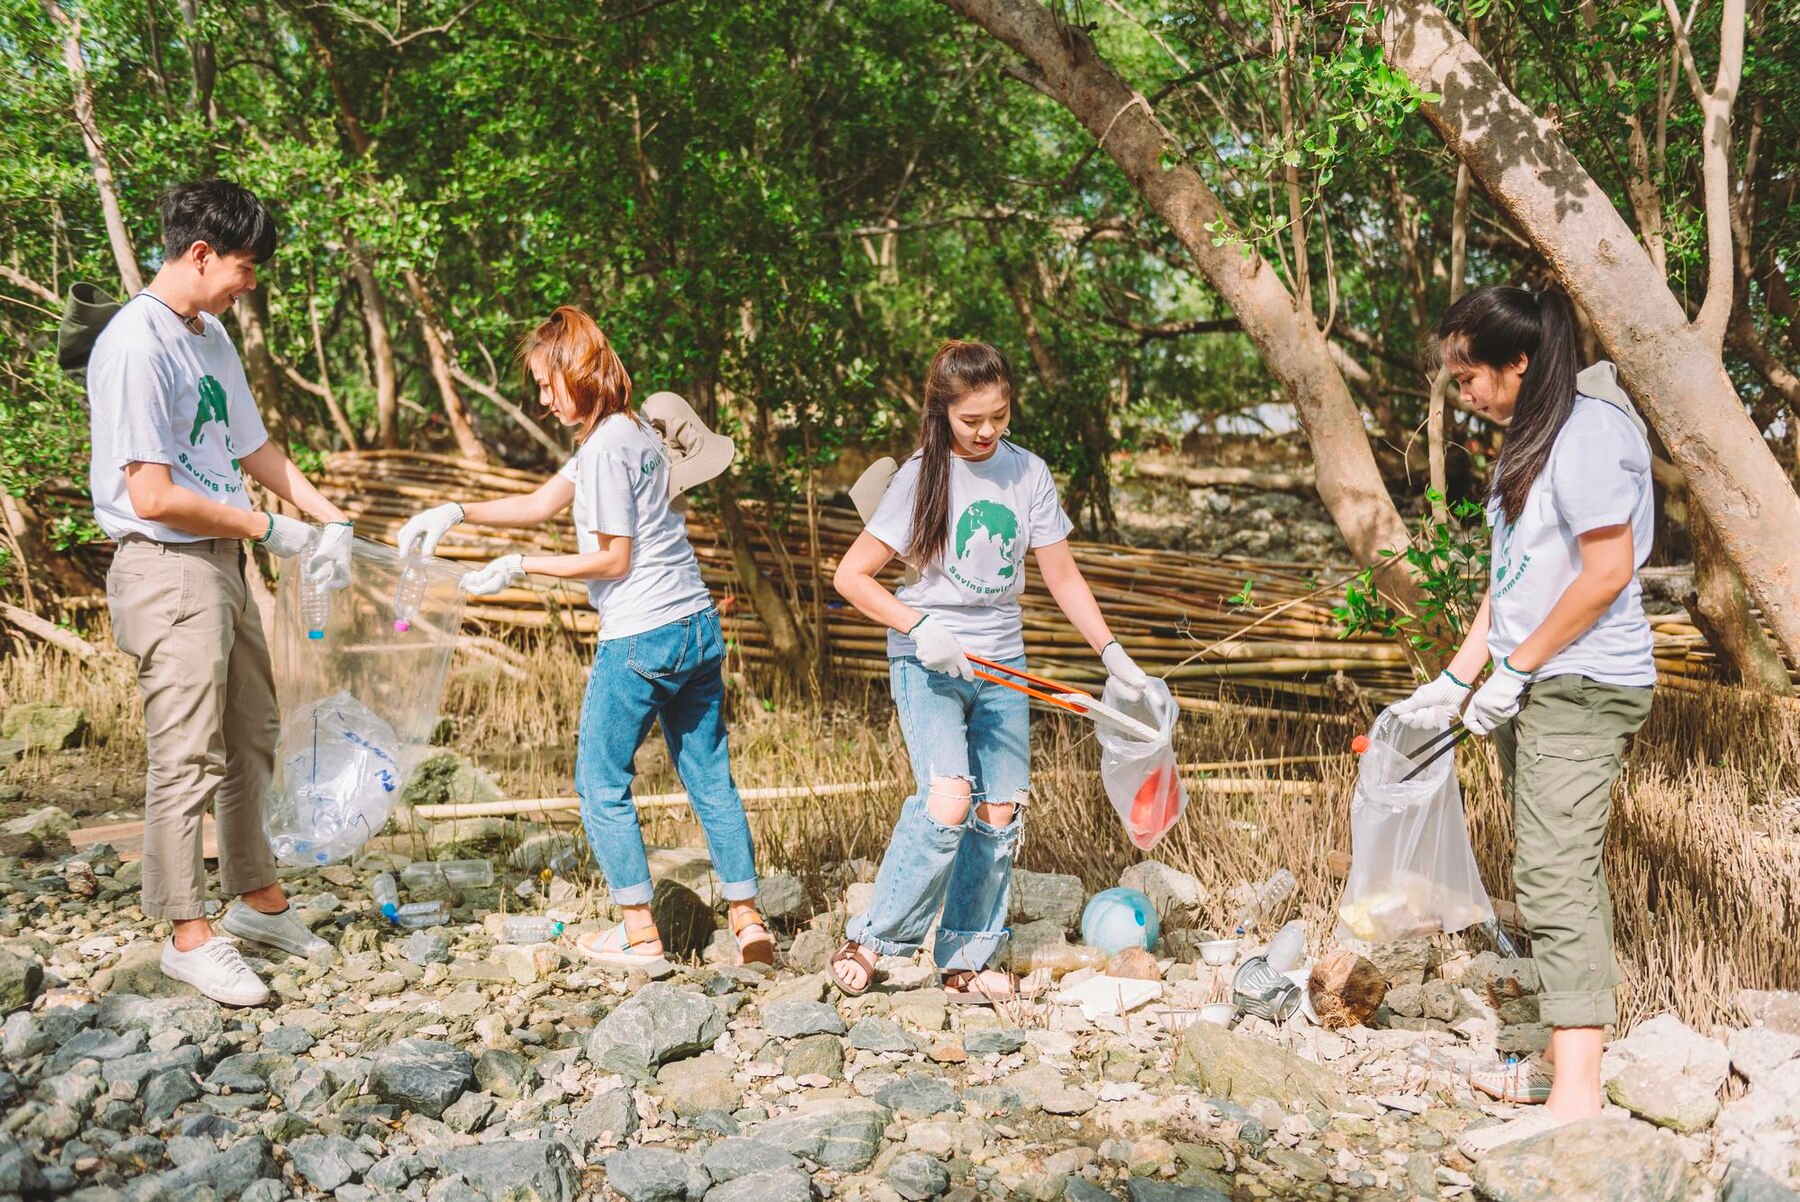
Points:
866	495
696	454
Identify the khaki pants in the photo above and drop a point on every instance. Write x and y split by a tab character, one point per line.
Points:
184	611
1559	757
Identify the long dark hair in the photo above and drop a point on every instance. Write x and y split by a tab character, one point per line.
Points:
1493	327
957	369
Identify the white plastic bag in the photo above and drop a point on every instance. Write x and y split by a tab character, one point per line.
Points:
340	775
1412	869
1141	776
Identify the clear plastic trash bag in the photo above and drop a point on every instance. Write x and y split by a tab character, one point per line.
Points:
359	702
1412	869
1141	777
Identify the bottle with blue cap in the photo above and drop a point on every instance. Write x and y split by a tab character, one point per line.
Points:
386	894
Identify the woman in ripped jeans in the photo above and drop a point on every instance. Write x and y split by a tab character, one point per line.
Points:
961	513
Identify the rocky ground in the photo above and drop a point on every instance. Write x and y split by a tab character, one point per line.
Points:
444	1065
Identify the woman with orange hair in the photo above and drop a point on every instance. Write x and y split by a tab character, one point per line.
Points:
661	651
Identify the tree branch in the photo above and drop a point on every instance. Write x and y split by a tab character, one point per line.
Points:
21	280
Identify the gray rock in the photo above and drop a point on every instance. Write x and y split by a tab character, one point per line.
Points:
840	1133
1760	1053
917	1177
24	1036
1176	895
1747	1183
791	1020
880	1035
782	895
288	1041
1241	1067
789	1186
324	1160
20	980
421	1074
1668	1042
394	1172
308	1090
816	1054
166	1092
610	1114
502	1073
426	947
695	1086
660	1023
649	1175
94	1044
1143	1189
918	1096
811	950
38	724
469	1113
730	1159
515	1170
1664	1097
19	1173
197	1018
1081	1190
1776	1009
684	919
271	1190
139	971
226	1174
992	1041
1047	896
1595	1158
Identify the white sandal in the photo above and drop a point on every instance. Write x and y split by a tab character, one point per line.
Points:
599	947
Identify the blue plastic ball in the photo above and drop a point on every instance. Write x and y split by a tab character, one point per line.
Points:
1116	919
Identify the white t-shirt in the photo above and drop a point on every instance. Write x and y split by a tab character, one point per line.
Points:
1598	475
158	393
621	475
1000	507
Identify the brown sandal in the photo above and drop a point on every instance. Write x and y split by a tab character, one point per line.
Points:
964	988
757	949
863	957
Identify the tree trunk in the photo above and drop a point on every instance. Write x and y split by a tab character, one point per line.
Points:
1722	611
381	346
252	311
1671	367
131	278
1064	65
792	649
438	351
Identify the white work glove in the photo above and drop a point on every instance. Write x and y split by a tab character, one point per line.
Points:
328	566
1497	700
939	650
1434	705
429	526
285	537
485	582
1128	680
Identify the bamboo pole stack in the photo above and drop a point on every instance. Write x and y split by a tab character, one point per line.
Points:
1171	609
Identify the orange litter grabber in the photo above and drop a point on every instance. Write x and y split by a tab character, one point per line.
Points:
1158	800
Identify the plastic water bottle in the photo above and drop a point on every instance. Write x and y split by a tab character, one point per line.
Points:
409	595
463	874
386	894
529	928
1269	896
1288	947
315	599
414	915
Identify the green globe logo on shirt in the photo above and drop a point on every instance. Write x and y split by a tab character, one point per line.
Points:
211	409
985	545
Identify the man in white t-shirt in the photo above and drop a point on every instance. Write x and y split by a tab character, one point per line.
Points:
174	431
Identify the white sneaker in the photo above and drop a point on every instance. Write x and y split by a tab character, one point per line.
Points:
217	970
283	930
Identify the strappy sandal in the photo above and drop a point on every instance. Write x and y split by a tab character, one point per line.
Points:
599	947
757	948
965	988
862	957
1524	1082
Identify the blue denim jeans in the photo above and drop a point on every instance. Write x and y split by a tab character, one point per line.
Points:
673	673
975	731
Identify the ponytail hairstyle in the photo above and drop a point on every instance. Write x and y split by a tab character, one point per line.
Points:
1493	327
957	369
570	346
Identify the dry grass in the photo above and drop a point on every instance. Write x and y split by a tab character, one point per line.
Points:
1705	876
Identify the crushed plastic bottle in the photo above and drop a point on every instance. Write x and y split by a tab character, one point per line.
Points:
1058	958
529	928
1288	947
409	594
339	777
460	874
1267	901
386	894
420	914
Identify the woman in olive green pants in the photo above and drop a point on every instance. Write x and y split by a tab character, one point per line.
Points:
1563	625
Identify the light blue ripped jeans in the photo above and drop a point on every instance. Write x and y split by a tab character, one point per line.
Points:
976	731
